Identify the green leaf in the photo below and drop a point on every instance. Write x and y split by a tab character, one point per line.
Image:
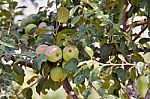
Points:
68	32
73	10
19	74
40	85
87	92
121	74
133	73
32	79
144	40
89	51
38	62
54	85
71	67
75	19
7	68
102	92
27	92
80	77
142	85
6	44
62	15
17	69
105	51
138	57
114	89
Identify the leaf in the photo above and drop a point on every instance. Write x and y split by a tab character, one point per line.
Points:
62	15
144	40
27	92
7	68
75	19
71	67
89	51
32	79
105	51
40	85
140	67
121	74
133	73
102	92
138	57
68	32
53	84
142	86
19	74
87	92
114	89
38	62
80	77
73	10
6	44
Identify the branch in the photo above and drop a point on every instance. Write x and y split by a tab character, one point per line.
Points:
140	33
2	54
69	90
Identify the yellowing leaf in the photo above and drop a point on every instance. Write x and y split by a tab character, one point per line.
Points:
62	15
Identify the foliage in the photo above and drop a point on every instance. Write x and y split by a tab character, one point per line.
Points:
102	31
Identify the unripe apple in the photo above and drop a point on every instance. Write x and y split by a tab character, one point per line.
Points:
41	49
57	74
30	29
53	53
70	52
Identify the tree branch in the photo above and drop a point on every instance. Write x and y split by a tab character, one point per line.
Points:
69	90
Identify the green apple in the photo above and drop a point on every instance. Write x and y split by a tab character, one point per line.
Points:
57	74
41	49
53	53
70	52
30	29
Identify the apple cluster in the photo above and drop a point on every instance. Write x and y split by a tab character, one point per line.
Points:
55	53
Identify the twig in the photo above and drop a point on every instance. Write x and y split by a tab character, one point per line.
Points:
113	64
140	33
2	54
69	90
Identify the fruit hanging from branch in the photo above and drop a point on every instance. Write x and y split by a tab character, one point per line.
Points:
53	53
70	52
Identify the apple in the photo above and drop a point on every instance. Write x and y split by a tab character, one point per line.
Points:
57	74
70	52
41	49
53	53
30	29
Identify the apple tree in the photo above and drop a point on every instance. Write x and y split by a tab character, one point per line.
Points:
82	45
